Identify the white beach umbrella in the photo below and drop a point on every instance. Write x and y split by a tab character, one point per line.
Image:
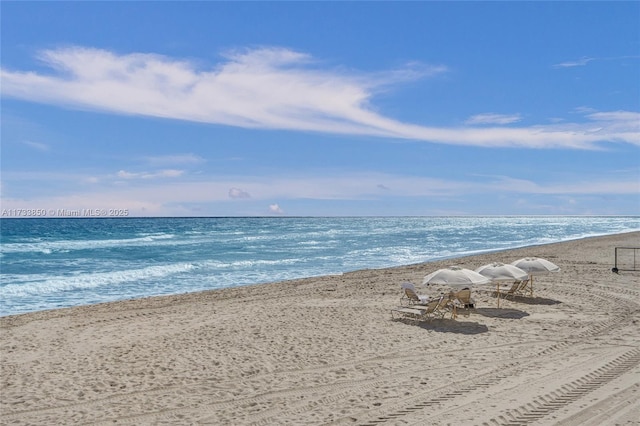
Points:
499	272
454	276
535	266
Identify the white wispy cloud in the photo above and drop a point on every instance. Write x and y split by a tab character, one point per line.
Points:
168	173
278	88
491	118
162	198
275	209
585	60
170	160
37	145
354	186
578	63
238	193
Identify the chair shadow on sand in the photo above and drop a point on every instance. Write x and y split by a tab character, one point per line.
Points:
528	300
501	313
535	300
446	325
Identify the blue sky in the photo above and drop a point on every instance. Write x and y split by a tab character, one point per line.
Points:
321	108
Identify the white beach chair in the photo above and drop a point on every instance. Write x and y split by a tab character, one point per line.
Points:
433	308
410	296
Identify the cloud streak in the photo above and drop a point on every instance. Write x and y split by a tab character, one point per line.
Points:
37	145
168	173
570	64
149	197
238	193
278	88
585	61
164	160
275	209
491	118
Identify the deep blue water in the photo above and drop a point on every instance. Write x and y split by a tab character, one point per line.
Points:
53	263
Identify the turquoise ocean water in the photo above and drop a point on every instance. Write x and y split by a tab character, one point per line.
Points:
54	263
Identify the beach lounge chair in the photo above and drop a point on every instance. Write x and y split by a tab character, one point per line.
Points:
455	301
410	296
444	307
517	288
525	288
460	300
463	298
416	312
508	290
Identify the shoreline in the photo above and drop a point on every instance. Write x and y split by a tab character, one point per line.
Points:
324	350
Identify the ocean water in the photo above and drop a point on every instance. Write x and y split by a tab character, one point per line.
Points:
54	263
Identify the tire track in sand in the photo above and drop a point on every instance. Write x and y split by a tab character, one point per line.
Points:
545	404
595	379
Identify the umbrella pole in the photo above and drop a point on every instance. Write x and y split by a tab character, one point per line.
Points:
498	291
531	286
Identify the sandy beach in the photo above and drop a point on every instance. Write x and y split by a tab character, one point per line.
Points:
325	350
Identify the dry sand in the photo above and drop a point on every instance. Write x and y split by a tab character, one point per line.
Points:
325	351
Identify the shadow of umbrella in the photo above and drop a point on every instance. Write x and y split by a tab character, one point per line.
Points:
536	300
501	313
456	327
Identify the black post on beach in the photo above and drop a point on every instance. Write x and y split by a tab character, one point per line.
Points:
615	261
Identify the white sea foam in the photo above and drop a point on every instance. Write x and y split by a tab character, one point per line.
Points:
41	284
48	247
63	263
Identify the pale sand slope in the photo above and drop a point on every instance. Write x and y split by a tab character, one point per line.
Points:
325	351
